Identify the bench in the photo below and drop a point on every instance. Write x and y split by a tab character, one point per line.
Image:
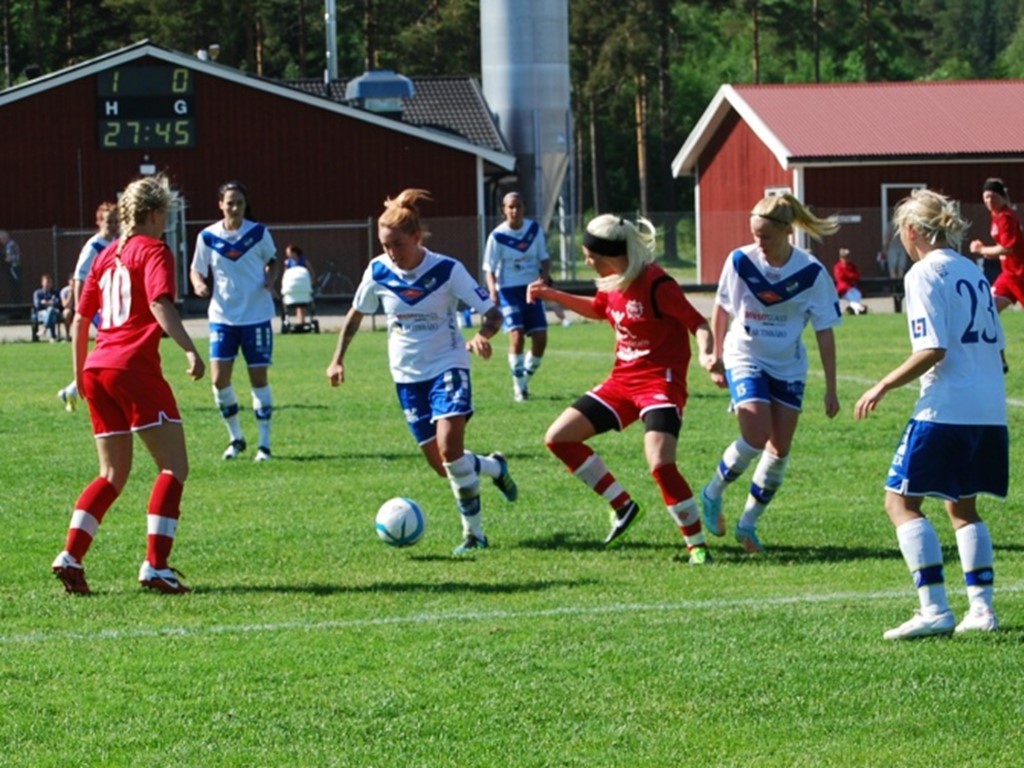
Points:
876	287
20	314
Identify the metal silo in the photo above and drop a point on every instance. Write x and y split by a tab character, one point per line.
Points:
524	48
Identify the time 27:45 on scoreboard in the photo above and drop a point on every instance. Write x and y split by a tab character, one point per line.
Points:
146	107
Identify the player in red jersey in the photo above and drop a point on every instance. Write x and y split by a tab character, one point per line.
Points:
131	285
1009	245
652	321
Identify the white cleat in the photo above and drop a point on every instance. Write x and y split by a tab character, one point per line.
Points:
69	397
981	618
234	449
923	625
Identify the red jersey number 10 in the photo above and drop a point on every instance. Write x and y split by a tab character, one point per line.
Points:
116	287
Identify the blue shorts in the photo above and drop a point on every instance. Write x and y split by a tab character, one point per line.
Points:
951	461
748	383
424	402
517	314
256	341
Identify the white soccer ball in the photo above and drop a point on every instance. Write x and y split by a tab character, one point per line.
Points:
400	522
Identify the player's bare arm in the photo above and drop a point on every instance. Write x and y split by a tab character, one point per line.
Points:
199	284
581	305
349	329
480	344
906	372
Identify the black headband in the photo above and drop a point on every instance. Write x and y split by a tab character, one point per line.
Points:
599	245
770	217
995	185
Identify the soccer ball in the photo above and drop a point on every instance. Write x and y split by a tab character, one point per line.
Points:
400	522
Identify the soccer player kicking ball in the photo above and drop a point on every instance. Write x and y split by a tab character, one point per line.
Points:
420	292
956	444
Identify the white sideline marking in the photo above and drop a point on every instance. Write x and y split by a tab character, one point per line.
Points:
460	616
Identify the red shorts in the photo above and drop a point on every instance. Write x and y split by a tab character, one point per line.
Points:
629	400
1010	287
127	401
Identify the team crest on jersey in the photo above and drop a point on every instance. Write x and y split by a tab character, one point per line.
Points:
482	293
919	327
411	294
634	309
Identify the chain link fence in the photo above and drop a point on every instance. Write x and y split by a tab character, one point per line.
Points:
338	251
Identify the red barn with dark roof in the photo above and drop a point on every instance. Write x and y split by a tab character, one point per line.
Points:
852	149
74	138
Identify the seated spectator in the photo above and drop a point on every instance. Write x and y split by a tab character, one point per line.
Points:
297	283
847	277
46	303
67	303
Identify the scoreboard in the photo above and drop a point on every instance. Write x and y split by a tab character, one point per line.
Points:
146	108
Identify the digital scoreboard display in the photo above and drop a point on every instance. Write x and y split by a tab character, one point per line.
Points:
146	108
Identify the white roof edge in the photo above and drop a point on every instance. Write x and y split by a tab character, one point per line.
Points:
140	50
725	98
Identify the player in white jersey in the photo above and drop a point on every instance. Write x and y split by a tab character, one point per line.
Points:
237	257
771	290
956	445
106	231
420	291
516	255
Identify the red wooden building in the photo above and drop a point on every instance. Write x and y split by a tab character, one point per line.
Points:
74	138
851	149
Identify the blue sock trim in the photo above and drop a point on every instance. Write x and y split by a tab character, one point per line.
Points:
263	414
727	474
983	577
469	507
763	495
931	574
227	411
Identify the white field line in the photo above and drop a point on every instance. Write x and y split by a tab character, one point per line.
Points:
446	617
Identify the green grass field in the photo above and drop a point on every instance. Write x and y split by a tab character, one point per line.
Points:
307	642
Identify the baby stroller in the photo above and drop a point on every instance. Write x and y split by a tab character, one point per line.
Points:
297	313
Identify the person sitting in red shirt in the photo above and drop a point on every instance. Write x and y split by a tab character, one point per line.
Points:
847	277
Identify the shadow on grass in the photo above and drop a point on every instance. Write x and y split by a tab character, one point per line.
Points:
722	552
567	542
399	587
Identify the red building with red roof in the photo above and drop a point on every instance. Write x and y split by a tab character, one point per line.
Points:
852	149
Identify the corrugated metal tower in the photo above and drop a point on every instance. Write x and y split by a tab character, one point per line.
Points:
524	48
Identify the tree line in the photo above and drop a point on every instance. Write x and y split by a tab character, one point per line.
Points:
642	71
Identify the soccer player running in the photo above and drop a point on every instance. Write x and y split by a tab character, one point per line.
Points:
420	291
956	444
106	231
652	321
239	258
131	285
1008	248
516	254
771	290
